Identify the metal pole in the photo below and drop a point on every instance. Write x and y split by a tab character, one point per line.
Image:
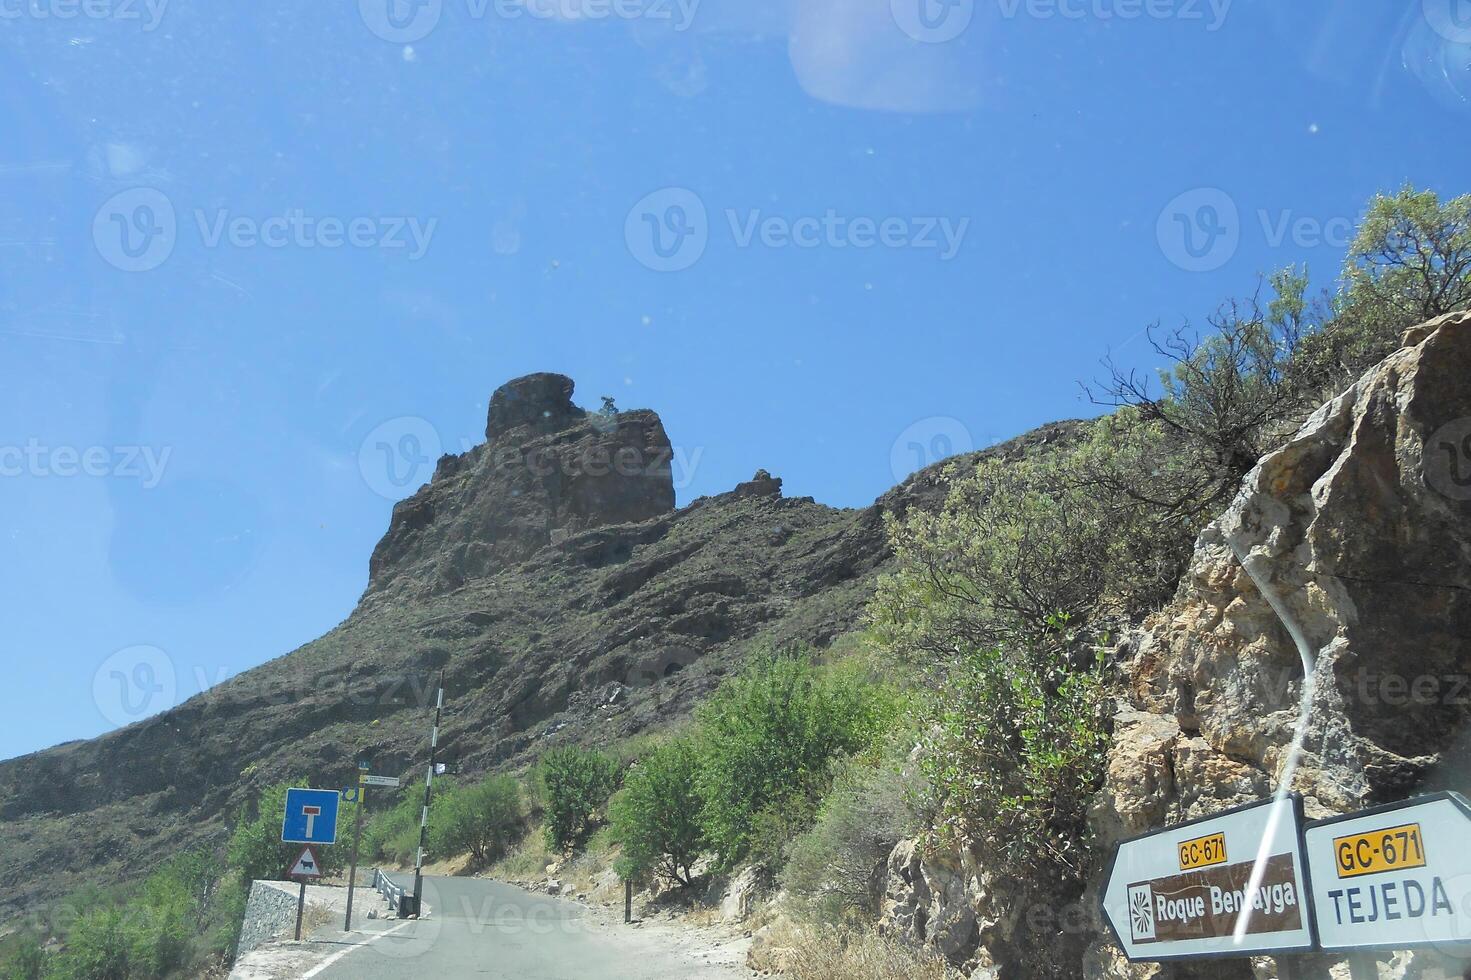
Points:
628	901
300	908
357	837
428	795
1363	966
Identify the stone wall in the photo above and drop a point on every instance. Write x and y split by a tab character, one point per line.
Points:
269	912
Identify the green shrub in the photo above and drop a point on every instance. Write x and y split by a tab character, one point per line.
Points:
576	784
836	868
656	816
481	820
768	735
393	835
1410	262
97	948
1018	747
25	961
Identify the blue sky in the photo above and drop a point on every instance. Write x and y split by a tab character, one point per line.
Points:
244	246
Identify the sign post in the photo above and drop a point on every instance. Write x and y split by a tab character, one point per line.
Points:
364	781
1394	877
310	819
1232	884
360	797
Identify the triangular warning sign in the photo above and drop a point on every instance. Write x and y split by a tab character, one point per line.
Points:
307	865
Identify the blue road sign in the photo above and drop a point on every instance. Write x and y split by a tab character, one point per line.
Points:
311	816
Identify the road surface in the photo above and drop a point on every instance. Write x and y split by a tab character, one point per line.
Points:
479	928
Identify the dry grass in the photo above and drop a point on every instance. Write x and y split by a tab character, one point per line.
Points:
830	954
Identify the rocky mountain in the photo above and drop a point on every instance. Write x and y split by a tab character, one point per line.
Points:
1343	567
551	576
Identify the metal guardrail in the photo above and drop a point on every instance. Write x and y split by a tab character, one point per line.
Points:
399	898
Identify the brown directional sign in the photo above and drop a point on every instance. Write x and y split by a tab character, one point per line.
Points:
1232	884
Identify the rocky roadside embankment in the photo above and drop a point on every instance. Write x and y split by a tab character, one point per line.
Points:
1361	526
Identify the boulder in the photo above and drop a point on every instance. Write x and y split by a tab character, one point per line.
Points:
743	892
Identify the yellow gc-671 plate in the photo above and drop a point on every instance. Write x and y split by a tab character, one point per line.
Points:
1203	852
1391	849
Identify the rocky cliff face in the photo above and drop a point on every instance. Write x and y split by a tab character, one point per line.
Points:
547	571
1360	528
547	470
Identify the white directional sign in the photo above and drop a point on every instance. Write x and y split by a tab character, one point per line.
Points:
1228	885
1394	877
390	781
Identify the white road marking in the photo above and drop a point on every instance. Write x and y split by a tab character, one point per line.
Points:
339	955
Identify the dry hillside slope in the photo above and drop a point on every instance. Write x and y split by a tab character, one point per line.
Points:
547	570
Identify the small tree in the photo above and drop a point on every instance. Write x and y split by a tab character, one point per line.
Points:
656	817
576	784
481	820
1411	260
769	735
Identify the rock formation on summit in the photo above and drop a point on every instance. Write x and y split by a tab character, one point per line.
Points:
547	470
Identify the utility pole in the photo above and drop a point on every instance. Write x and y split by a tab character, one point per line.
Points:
428	796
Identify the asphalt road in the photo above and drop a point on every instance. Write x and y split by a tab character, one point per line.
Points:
487	929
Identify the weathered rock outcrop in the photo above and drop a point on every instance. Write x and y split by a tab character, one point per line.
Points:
1360	528
547	470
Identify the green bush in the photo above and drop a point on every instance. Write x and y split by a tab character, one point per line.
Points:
393	835
25	961
97	948
576	784
836	868
482	820
768	736
656	816
1018	747
1411	260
